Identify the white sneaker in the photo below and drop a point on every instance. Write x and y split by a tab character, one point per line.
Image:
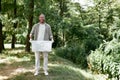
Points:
36	73
46	73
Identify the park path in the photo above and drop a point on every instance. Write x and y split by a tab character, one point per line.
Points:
19	65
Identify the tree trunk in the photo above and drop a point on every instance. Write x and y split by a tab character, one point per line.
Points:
61	6
99	21
1	41
15	26
1	36
30	20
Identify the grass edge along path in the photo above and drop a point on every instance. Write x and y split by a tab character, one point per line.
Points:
19	65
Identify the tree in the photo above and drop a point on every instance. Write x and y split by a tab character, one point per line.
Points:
1	36
30	21
63	8
14	25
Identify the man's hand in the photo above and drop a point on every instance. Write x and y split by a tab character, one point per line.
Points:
30	36
52	41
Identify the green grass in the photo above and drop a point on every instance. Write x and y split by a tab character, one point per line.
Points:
19	65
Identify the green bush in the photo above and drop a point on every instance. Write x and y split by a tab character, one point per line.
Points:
74	53
79	42
106	59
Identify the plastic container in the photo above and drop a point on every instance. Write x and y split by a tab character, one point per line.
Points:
42	46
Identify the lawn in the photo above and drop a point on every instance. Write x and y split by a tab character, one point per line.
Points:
19	65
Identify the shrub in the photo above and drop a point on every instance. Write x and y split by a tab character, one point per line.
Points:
74	53
106	59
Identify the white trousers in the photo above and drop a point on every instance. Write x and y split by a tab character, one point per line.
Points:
37	61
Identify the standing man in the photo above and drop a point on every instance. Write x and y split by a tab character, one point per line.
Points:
41	32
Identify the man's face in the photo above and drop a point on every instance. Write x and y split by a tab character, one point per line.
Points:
41	18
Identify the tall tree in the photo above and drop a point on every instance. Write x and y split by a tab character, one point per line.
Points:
61	6
30	20
1	36
63	9
15	25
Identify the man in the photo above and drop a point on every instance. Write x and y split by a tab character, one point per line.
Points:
41	32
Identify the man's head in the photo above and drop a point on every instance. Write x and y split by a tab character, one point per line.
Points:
42	18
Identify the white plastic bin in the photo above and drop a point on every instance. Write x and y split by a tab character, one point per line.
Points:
42	46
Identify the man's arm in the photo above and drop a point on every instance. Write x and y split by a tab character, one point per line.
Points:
32	32
30	36
51	35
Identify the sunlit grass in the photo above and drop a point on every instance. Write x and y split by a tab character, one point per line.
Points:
16	45
18	65
10	58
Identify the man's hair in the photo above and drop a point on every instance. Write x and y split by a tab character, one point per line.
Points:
42	15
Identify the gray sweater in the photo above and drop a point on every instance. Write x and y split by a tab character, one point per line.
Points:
48	33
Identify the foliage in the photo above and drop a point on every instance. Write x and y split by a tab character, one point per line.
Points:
106	59
8	21
79	43
74	53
